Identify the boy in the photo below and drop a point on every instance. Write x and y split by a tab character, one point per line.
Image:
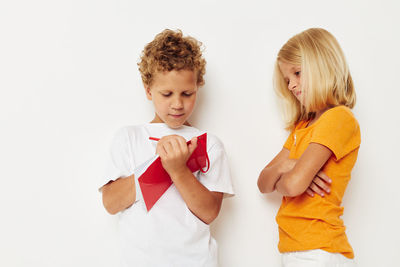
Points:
175	232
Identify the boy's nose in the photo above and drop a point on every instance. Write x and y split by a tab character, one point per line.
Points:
177	103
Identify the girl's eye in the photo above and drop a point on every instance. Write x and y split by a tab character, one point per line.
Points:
166	94
297	73
187	94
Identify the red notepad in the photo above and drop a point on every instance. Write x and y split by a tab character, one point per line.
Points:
155	180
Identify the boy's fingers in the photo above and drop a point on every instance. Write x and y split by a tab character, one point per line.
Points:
322	184
324	177
182	144
160	151
168	148
193	144
176	146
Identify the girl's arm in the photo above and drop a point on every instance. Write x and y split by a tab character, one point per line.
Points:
297	180
119	194
281	164
174	153
273	171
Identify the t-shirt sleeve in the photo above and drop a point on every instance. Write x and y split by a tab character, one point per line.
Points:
289	141
119	162
218	177
339	131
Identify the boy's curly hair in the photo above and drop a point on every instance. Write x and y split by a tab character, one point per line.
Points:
171	51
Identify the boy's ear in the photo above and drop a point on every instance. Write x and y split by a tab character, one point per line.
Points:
148	92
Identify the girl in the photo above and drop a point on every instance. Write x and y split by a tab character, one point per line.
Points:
312	78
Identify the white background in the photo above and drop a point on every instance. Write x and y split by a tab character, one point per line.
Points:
69	80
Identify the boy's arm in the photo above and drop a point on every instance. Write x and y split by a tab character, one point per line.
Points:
308	166
203	203
174	153
119	194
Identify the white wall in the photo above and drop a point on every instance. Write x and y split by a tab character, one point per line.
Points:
69	80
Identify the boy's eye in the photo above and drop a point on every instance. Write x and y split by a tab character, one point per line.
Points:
187	94
297	73
166	94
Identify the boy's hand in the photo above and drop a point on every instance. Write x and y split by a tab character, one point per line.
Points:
174	153
320	185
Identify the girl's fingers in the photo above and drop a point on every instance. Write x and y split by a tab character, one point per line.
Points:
322	184
317	190
310	192
324	177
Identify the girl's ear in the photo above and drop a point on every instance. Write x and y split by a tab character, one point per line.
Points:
148	92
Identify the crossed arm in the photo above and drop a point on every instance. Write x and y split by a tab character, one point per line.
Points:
293	177
174	153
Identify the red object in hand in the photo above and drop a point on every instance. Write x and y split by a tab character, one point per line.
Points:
155	180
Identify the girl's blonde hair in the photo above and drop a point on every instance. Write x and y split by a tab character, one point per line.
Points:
325	75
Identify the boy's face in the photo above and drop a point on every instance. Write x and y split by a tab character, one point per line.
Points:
174	96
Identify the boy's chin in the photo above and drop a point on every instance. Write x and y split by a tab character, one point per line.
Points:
171	123
174	125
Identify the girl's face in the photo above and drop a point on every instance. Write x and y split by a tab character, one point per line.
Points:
292	75
174	96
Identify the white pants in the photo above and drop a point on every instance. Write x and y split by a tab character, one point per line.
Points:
316	258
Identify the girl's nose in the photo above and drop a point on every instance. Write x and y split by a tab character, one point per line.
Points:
292	85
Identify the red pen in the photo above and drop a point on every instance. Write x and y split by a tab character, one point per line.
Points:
158	139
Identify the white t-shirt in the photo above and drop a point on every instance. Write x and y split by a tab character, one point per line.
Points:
169	234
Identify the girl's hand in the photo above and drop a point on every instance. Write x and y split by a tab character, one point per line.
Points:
174	153
320	185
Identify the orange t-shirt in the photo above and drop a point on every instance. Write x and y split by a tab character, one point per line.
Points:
306	222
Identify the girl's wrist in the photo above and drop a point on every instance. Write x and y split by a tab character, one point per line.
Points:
281	169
